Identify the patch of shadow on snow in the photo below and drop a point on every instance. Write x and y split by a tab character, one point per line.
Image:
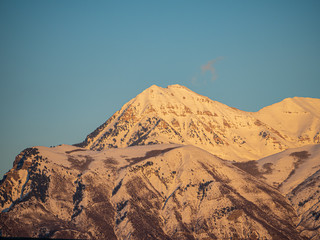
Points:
300	158
251	167
150	154
300	155
76	150
214	174
80	165
110	161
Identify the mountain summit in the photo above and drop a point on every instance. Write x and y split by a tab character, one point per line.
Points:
178	115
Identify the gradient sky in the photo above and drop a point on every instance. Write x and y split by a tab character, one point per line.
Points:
67	66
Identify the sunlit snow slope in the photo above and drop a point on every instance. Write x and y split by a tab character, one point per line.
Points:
177	115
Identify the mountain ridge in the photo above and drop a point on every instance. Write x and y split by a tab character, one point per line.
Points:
157	191
178	115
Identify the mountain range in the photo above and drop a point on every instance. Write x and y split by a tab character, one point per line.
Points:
173	164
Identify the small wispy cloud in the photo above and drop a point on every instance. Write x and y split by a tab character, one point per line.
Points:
208	67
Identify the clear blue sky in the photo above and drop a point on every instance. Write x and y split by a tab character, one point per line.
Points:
67	66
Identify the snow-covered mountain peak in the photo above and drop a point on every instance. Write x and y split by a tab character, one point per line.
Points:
179	87
175	99
294	116
295	105
176	86
176	114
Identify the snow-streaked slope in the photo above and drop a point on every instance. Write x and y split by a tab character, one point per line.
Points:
177	115
143	192
288	169
296	173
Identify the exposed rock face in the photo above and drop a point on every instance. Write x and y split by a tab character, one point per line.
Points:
147	192
178	115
